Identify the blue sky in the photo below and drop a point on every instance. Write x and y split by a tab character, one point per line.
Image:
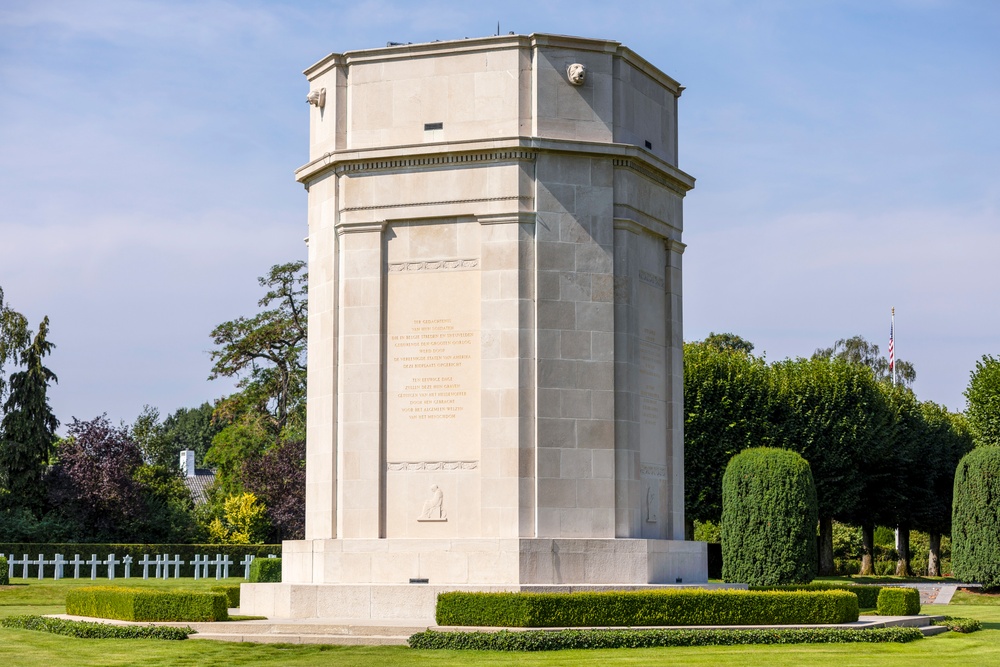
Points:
847	156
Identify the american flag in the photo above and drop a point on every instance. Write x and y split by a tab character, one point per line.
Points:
892	354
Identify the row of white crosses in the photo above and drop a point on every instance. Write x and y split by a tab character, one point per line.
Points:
161	565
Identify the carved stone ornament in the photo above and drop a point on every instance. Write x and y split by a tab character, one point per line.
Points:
317	98
652	503
576	73
433	509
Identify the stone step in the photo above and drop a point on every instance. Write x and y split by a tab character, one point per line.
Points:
931	630
305	628
302	638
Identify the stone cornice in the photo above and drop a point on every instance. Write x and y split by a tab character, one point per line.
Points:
417	156
493	43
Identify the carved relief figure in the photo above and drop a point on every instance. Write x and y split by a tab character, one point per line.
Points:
651	502
434	506
577	73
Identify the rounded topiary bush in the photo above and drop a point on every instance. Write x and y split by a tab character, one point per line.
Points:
769	518
975	522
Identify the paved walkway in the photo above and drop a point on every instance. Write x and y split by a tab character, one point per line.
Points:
934	593
396	632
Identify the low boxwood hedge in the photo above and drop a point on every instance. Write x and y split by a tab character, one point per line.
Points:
4	572
646	608
232	594
964	625
867	595
90	630
139	604
554	640
265	570
898	602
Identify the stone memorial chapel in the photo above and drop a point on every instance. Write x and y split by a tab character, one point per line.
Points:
495	340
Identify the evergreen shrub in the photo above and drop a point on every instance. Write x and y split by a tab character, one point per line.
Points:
963	625
646	608
975	524
554	640
769	517
265	570
4	572
142	604
867	595
898	602
232	594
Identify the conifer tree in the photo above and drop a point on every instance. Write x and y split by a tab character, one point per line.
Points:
27	431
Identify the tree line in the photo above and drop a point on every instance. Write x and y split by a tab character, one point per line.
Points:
122	483
879	456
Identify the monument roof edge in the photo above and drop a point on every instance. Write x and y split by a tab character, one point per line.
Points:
651	70
467	44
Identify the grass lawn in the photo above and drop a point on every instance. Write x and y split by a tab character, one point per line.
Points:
22	647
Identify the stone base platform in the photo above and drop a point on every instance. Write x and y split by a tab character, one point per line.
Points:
495	562
379	579
387	602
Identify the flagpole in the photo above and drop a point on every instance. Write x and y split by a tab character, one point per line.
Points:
892	346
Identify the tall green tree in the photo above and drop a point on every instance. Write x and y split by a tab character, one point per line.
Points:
983	398
948	441
729	342
726	394
14	337
267	352
184	429
28	428
833	414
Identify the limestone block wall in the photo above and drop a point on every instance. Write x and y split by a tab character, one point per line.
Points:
575	330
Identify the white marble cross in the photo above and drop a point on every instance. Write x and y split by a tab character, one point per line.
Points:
11	562
59	562
25	563
224	562
159	566
176	562
127	562
145	562
197	562
218	565
93	563
246	565
111	562
76	563
41	565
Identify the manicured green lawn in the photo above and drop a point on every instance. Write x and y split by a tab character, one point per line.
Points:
22	647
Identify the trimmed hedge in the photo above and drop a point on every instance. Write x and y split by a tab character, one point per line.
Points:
554	640
232	594
265	570
185	551
867	595
143	604
963	625
898	602
645	608
769	517
4	572
975	523
90	630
